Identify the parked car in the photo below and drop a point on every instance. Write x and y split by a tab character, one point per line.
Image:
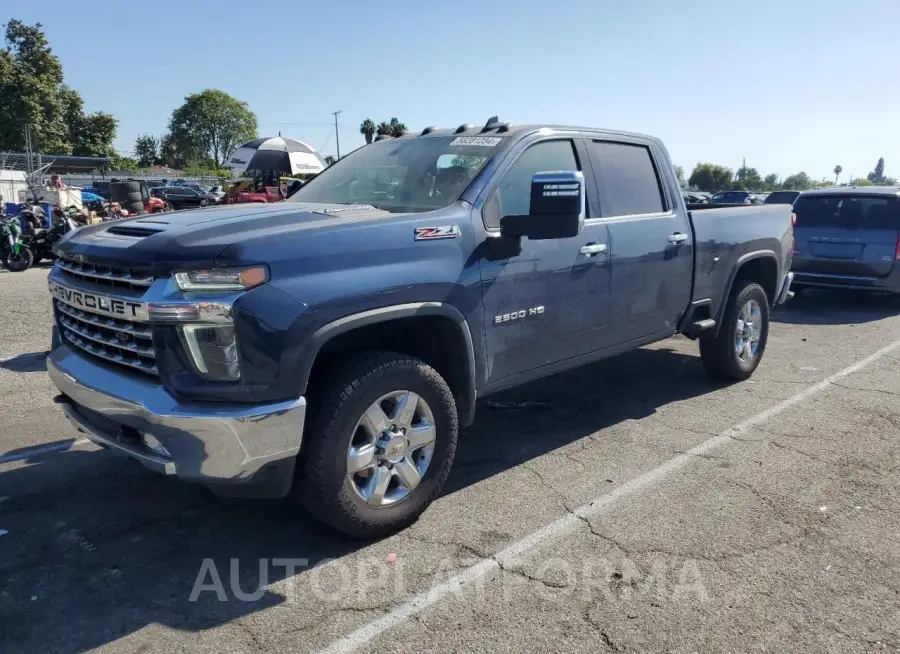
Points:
341	338
732	197
218	193
782	197
848	237
183	197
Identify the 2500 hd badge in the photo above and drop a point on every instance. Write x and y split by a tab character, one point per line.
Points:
114	307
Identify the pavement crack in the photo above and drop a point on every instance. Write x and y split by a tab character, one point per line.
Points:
865	389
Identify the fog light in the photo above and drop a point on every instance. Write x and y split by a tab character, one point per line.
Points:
213	350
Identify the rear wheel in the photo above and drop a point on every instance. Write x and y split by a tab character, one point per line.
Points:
380	445
735	352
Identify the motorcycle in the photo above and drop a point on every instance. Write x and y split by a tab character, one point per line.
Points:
15	255
41	241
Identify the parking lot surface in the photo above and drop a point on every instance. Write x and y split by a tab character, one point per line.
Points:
631	505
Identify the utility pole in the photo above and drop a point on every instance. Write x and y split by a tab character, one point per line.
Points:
337	134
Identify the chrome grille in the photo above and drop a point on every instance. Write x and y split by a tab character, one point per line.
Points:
102	275
119	341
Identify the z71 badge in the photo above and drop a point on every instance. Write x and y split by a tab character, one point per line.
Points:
434	233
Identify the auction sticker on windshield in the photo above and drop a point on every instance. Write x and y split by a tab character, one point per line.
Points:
484	141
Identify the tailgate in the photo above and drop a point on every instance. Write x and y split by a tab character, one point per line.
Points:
846	234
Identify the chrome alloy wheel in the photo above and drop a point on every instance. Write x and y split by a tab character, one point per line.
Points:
391	448
748	331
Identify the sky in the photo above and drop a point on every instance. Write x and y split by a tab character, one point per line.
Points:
788	85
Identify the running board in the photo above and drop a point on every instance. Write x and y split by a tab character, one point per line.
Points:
699	326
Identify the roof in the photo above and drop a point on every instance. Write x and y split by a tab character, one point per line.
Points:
497	128
59	163
855	190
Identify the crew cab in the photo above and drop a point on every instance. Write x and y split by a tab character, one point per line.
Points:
330	347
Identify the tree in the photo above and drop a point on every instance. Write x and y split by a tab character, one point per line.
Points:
710	177
125	164
837	173
367	129
798	182
679	175
383	129
33	94
329	160
147	150
748	179
877	175
210	125
397	128
770	183
860	181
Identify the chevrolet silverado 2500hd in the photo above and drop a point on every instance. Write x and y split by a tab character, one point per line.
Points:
332	346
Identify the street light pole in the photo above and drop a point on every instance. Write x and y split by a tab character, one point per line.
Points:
337	134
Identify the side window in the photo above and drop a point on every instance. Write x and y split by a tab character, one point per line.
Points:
626	178
513	195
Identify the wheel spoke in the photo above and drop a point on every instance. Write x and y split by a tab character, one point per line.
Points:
374	421
408	473
360	458
746	353
406	409
377	486
421	435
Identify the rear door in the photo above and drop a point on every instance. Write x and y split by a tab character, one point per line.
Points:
650	240
846	234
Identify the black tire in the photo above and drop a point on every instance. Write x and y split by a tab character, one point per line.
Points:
121	192
322	483
21	263
134	208
720	354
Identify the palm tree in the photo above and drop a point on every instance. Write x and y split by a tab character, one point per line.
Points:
397	128
384	129
837	173
367	129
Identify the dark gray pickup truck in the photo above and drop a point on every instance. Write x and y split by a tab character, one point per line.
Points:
331	347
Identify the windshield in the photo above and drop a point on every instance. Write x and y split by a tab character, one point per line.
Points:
782	197
418	174
731	196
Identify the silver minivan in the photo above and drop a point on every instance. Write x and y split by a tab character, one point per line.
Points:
847	237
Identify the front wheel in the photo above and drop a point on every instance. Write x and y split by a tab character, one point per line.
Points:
380	445
19	262
735	352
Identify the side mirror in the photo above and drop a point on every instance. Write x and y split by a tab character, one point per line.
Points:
557	208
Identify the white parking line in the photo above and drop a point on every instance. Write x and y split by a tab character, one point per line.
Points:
42	449
573	521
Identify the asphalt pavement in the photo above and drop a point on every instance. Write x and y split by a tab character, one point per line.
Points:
628	506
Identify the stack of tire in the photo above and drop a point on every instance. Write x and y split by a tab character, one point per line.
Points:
128	195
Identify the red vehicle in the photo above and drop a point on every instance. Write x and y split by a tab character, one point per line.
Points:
269	194
154	205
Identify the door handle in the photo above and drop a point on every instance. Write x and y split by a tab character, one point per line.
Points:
591	249
677	238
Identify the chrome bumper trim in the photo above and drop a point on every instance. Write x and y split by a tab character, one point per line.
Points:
785	292
207	442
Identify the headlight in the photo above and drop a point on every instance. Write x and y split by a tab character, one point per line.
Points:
213	350
221	279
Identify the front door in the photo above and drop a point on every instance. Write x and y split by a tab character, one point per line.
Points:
650	239
549	302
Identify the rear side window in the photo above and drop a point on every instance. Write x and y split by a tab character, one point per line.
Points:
627	180
851	211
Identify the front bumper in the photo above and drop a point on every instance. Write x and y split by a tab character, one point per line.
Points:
238	449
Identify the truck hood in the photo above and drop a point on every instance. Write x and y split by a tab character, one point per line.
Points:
158	243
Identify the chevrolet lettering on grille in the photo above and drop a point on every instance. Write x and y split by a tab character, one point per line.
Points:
101	304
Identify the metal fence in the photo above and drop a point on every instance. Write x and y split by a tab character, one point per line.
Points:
88	180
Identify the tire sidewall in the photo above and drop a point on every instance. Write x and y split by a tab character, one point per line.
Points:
409	377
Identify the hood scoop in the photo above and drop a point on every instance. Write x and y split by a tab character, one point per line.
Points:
133	231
